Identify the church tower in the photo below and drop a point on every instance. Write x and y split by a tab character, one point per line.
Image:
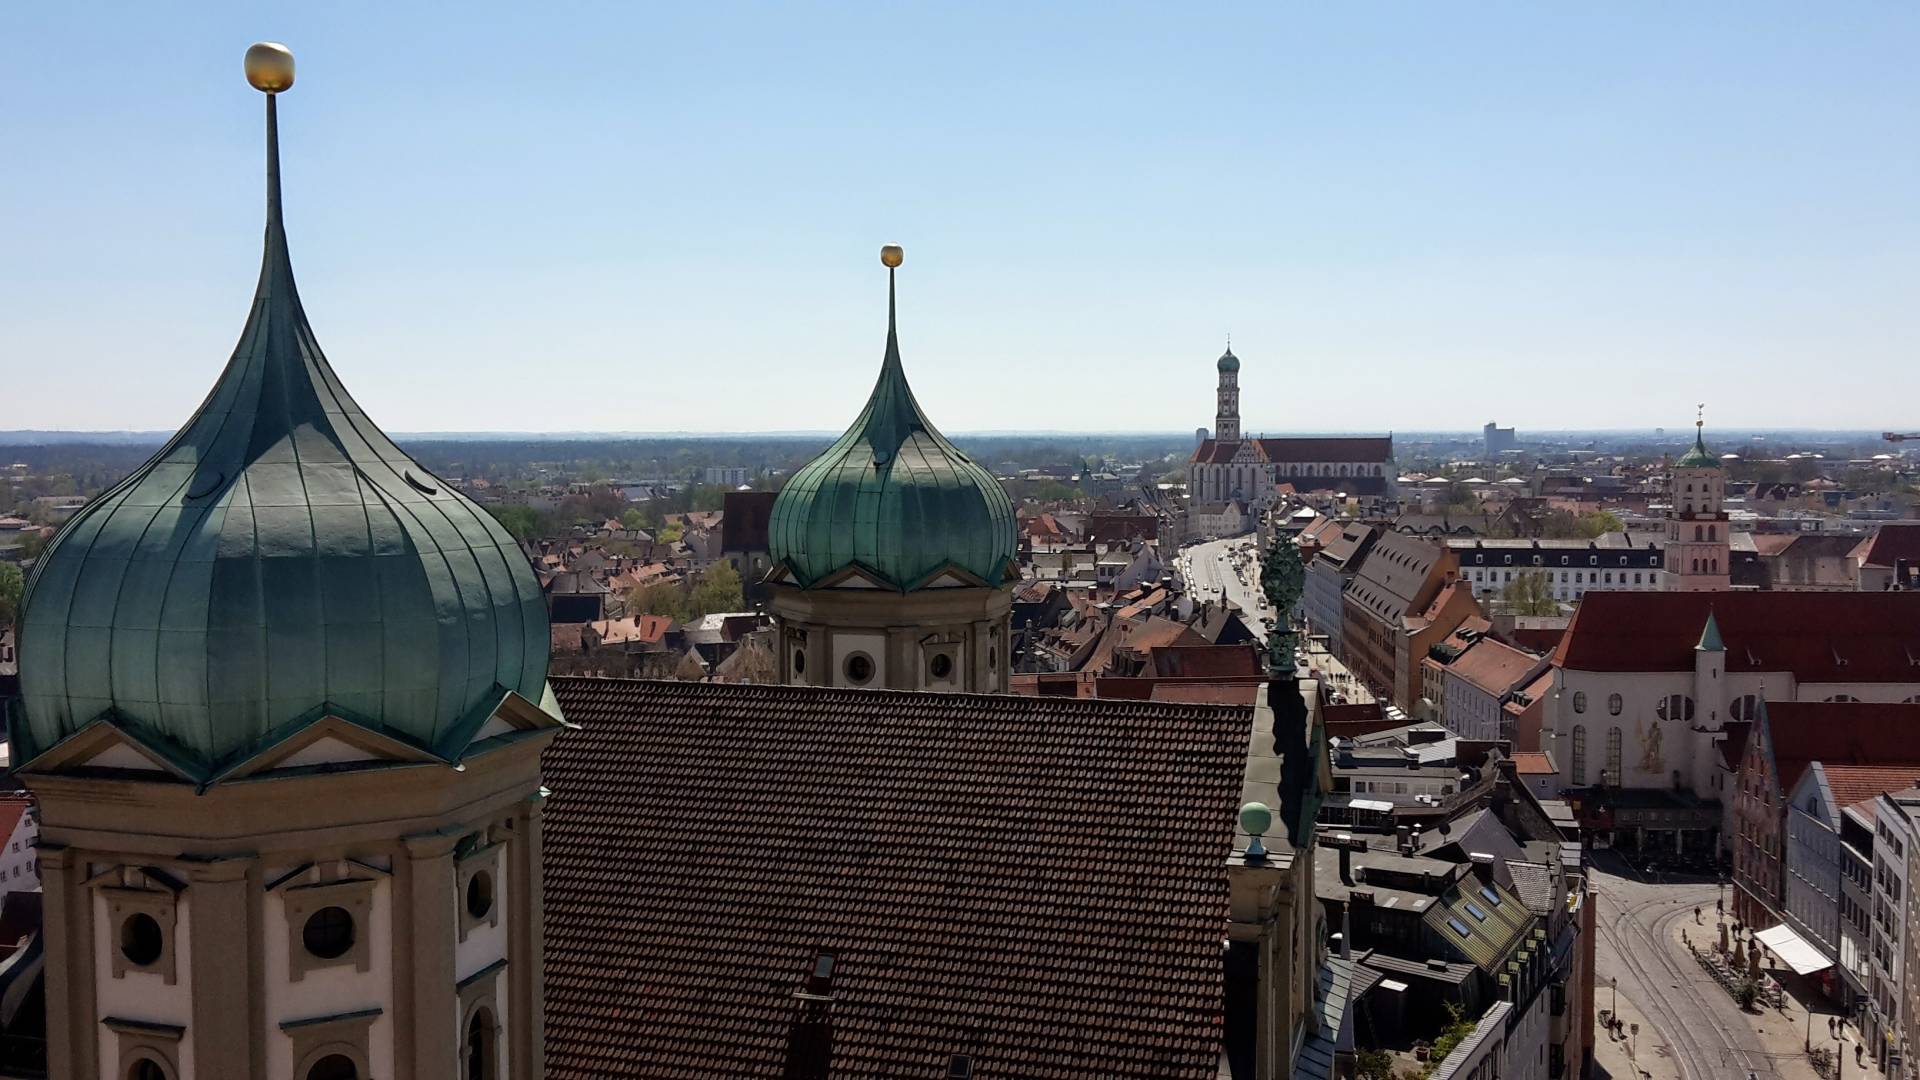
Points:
1226	412
1698	547
893	553
283	698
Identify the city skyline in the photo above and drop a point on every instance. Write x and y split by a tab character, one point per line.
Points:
1584	221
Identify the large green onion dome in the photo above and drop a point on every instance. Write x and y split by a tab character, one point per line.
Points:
1228	361
278	561
892	498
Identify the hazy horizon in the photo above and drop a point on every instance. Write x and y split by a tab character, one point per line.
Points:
635	219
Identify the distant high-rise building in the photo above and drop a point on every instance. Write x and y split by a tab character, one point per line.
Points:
728	475
1499	439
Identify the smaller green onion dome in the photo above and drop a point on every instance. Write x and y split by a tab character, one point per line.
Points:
1228	361
1698	458
893	498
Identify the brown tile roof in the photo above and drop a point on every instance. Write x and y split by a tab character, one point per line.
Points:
1493	667
1203	661
1394	574
1036	882
1533	763
1839	733
1854	784
1818	636
1893	541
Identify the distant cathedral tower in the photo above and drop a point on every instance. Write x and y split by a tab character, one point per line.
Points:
1698	547
893	553
1226	412
283	698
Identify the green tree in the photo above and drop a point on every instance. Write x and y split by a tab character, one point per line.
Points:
1375	1065
1596	522
633	519
719	590
669	533
707	497
1530	594
12	584
660	598
521	522
1457	1029
1283	577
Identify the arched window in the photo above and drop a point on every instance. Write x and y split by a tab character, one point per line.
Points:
1696	532
1696	566
1613	756
1843	698
1710	535
335	1067
146	1069
1747	707
1614	704
1579	755
480	1049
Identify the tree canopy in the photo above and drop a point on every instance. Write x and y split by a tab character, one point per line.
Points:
12	584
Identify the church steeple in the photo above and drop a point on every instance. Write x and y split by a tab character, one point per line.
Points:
1226	418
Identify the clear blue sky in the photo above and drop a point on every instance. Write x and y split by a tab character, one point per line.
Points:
656	218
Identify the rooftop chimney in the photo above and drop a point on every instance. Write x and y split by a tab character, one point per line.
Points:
1482	866
1346	859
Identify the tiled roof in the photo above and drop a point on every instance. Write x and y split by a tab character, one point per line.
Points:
1204	661
1039	883
1893	541
1391	579
1818	636
1533	763
1854	784
1533	882
1838	733
1492	667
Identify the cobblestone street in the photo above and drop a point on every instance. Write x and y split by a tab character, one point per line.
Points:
1689	1026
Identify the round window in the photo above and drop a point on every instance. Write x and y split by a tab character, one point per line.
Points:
141	940
1615	703
859	669
941	666
1579	701
480	894
328	933
799	661
146	1069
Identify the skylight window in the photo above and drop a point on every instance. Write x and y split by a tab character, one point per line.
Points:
1491	896
1475	911
1460	928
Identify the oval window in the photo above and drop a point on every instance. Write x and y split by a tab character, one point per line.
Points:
1615	703
480	894
328	933
1579	701
799	661
141	940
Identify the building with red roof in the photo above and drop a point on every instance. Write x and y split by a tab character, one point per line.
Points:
1646	684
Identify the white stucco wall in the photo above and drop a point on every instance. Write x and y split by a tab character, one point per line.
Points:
332	990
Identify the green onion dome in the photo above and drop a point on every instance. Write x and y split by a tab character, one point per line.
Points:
278	561
893	498
1697	457
1228	361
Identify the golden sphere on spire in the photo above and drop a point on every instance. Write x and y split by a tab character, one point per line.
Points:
269	66
890	255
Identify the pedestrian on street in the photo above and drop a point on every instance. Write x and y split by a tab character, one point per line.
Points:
1696	916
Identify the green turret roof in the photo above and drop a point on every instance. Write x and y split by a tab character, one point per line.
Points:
1228	361
1698	457
1710	636
277	561
892	497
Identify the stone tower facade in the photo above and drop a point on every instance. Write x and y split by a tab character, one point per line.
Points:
283	700
1698	547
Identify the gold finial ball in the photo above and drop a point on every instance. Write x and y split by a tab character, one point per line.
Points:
890	255
269	66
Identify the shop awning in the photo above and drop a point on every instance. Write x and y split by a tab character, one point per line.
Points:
1803	958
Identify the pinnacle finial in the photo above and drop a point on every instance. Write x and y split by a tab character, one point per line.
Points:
1700	415
269	67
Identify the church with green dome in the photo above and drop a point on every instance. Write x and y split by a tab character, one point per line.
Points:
893	552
